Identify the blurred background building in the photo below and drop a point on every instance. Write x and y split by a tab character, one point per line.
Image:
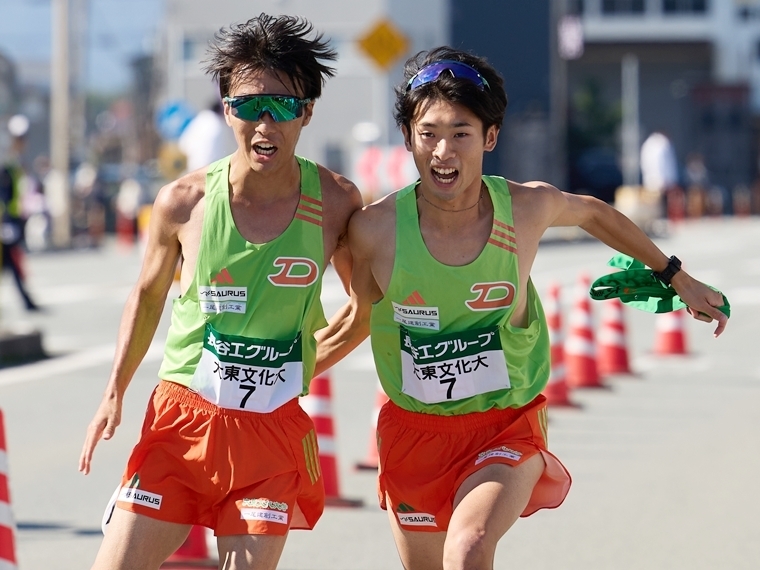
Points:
588	82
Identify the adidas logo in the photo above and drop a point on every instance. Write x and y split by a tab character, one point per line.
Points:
223	277
414	299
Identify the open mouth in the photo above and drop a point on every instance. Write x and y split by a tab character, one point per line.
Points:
444	175
264	149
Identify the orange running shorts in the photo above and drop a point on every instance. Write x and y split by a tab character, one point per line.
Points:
234	471
425	458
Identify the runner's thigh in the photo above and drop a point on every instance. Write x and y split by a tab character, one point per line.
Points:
137	542
250	551
418	550
490	500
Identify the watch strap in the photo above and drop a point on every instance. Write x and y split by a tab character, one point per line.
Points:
673	267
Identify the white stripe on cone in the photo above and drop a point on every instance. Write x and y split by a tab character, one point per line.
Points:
316	406
580	319
610	337
6	516
576	345
326	445
557	374
668	322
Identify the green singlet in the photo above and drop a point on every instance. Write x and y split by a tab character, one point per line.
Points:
243	334
441	335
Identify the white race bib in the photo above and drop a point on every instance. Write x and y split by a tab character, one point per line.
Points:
444	368
239	373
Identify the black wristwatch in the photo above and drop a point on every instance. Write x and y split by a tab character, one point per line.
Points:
673	267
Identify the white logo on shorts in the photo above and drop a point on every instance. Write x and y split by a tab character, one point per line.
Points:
140	497
266	515
416	519
502	451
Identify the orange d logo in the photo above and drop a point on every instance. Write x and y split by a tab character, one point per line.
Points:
503	296
289	276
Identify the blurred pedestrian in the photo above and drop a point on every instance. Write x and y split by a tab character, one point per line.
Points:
207	137
659	166
12	176
225	444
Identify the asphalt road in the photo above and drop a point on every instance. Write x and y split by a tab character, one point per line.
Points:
664	462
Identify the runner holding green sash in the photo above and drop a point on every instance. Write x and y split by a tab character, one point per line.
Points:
637	286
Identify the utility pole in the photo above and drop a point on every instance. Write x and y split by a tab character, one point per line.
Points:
630	126
80	10
57	184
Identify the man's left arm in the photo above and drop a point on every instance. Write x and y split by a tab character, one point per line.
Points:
609	226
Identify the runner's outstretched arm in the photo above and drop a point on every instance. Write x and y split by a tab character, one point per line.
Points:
614	229
139	321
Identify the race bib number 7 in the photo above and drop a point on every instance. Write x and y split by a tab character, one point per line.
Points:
453	366
258	375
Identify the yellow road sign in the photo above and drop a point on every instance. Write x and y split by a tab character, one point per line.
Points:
384	43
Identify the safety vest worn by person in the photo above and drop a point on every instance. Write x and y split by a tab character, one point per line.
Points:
12	202
243	333
441	335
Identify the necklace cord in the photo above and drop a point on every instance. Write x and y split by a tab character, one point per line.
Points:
454	211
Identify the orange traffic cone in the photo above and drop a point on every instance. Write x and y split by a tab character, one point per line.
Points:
194	552
7	526
371	460
556	391
612	350
670	337
125	231
580	352
318	405
143	223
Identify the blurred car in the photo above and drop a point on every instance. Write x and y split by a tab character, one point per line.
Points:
596	172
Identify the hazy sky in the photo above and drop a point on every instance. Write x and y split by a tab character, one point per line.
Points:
119	30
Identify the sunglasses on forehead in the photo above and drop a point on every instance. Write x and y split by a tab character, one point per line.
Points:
457	69
281	107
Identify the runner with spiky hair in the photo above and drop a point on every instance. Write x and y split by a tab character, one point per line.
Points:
281	45
225	443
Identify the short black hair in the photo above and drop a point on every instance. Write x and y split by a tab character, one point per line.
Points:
489	104
275	44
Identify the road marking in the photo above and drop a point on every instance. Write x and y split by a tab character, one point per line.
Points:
45	369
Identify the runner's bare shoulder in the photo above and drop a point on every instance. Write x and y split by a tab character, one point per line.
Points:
373	228
534	202
177	201
340	196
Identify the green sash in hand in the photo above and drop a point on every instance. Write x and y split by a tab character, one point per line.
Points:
637	287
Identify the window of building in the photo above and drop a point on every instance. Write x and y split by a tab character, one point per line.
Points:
623	6
575	7
684	6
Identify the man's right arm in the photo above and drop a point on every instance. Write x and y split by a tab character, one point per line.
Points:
349	326
140	317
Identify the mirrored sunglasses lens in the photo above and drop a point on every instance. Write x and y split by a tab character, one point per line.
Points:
286	108
459	70
280	108
427	75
